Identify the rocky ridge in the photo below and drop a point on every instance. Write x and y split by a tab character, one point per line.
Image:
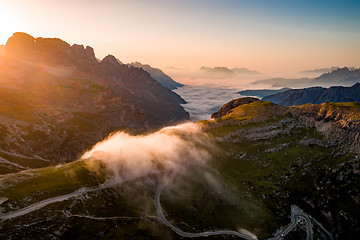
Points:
58	100
338	122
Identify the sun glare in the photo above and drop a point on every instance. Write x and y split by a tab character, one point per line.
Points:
7	23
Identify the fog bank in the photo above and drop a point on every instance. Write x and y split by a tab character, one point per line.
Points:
170	150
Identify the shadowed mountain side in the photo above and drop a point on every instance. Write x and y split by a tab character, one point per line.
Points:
316	95
158	75
57	100
262	92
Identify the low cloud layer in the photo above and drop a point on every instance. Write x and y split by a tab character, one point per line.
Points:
170	150
202	101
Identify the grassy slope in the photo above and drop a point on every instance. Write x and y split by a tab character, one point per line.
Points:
249	184
292	173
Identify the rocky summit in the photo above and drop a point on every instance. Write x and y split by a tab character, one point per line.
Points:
58	100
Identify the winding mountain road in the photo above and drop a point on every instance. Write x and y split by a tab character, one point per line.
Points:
48	201
187	234
296	215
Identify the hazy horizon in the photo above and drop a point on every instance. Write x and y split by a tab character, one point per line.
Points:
266	36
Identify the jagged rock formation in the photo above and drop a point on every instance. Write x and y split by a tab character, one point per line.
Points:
158	75
57	100
339	122
316	95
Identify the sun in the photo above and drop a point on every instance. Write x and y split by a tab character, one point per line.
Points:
7	23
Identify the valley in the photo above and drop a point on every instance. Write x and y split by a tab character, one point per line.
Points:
242	144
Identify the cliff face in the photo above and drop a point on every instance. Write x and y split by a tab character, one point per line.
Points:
61	97
316	95
338	122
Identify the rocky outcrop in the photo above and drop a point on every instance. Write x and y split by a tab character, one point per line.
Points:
339	122
228	107
316	95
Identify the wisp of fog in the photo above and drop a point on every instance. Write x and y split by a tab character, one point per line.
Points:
170	150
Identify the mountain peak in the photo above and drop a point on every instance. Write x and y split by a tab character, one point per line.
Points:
111	59
20	45
51	51
86	54
228	107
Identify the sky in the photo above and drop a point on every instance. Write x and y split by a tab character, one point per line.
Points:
266	35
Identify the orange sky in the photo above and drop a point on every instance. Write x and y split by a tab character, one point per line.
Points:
270	38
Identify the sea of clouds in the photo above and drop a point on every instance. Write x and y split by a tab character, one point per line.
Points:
204	100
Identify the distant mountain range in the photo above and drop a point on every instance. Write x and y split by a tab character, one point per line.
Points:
341	77
224	72
158	75
244	71
316	95
323	70
261	92
285	82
